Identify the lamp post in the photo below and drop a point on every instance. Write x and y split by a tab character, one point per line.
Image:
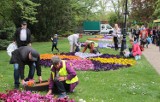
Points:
123	45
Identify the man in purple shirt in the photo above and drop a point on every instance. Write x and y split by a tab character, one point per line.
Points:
63	77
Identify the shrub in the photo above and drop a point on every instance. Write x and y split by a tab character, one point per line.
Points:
4	44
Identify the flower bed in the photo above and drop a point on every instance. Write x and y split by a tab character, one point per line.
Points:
82	64
103	62
28	96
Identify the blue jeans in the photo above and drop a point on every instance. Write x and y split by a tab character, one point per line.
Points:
17	73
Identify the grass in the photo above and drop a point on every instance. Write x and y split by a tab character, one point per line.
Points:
140	83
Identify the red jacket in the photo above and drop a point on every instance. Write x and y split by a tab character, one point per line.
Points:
143	34
136	49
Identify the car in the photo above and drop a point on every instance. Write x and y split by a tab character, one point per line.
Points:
106	29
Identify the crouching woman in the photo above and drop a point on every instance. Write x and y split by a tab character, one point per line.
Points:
135	51
63	77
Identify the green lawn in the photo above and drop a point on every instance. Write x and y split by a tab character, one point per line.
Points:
139	83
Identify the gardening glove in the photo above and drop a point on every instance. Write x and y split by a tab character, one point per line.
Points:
23	82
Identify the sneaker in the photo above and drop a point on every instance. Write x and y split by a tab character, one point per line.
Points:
63	95
139	57
136	57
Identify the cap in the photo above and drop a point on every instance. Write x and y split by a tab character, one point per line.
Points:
35	55
55	60
24	23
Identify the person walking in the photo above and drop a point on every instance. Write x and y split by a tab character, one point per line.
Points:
137	32
22	36
54	42
22	56
143	36
73	41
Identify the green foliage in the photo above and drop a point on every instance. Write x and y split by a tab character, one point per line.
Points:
28	9
5	10
54	16
139	10
7	33
4	44
157	10
61	16
112	18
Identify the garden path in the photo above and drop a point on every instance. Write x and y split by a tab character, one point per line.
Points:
152	54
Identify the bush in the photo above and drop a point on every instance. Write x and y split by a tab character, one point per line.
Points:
4	44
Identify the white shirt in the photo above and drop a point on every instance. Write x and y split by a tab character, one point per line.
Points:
74	39
23	35
116	32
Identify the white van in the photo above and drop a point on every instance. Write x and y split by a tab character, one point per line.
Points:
106	29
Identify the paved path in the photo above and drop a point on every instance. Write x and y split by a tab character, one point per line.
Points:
152	54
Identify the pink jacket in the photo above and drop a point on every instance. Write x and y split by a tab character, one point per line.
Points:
136	49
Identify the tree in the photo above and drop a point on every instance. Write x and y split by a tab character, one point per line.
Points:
142	10
118	7
5	10
156	13
6	25
28	10
101	13
54	16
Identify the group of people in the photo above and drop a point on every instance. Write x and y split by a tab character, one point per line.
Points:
135	50
75	45
142	35
63	77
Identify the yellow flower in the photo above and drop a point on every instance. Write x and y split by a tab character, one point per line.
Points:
114	60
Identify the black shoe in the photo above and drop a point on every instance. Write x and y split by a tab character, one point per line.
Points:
16	86
27	79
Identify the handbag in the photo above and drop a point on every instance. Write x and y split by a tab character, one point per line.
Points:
11	47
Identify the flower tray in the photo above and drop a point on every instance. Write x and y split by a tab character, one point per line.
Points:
38	86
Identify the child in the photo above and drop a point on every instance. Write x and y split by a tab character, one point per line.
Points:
54	42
